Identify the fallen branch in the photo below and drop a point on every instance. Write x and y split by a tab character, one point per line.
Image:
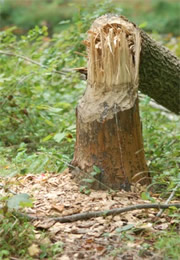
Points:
95	214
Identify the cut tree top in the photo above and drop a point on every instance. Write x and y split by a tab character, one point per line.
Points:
113	65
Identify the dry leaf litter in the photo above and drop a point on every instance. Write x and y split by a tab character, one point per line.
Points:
98	238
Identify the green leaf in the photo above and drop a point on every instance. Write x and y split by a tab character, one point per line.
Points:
19	200
4	253
93	173
85	190
54	109
143	25
88	180
64	22
59	137
23	171
48	122
97	170
124	228
146	196
82	188
48	137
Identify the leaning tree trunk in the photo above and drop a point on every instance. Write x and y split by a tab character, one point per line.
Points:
108	125
159	75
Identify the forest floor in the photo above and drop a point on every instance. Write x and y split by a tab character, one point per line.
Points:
130	235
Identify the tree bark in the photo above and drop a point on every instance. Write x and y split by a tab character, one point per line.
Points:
159	74
108	125
115	146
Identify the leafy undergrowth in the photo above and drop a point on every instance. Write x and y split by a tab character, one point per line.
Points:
132	235
19	239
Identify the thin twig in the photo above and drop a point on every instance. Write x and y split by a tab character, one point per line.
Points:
62	72
95	214
169	199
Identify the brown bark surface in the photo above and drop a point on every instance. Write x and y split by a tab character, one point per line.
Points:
115	146
159	74
108	125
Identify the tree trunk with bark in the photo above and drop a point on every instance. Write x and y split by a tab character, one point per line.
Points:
109	132
159	74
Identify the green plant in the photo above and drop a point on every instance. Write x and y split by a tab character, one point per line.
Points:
168	245
159	15
25	15
161	141
17	239
37	111
16	235
50	251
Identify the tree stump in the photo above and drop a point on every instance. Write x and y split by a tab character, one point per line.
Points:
109	132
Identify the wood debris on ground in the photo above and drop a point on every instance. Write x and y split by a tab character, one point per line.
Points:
111	237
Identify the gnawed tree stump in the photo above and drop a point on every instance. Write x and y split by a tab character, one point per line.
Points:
108	124
159	73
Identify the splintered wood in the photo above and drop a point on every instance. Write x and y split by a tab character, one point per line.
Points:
113	53
113	64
